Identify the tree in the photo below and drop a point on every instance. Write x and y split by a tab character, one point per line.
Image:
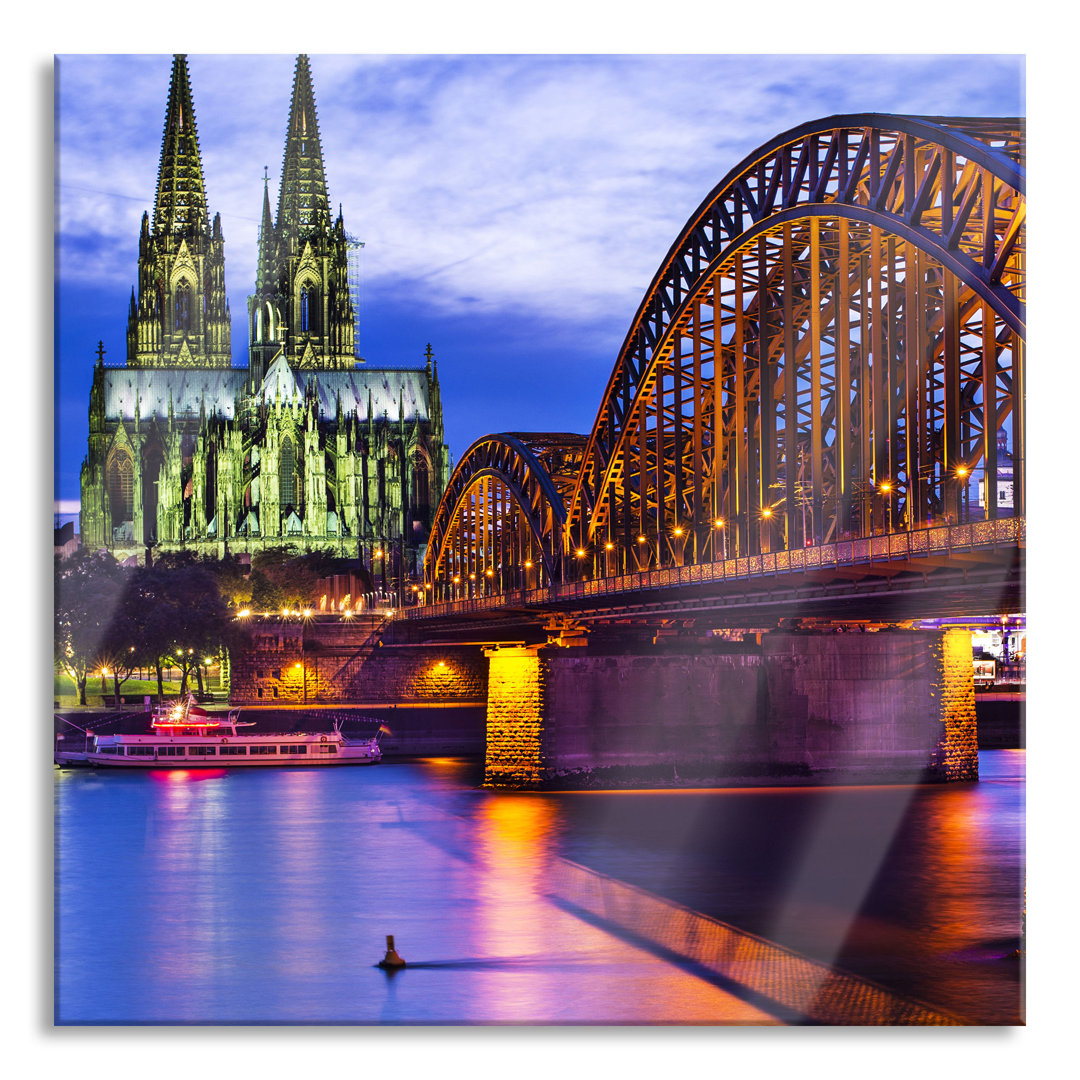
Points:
173	616
88	589
285	579
231	575
233	580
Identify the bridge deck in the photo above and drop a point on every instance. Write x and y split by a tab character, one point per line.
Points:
935	569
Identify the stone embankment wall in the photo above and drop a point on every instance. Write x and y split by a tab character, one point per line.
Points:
891	706
289	663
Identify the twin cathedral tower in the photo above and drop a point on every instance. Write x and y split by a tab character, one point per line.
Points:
306	446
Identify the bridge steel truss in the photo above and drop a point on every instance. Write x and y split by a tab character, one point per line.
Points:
830	350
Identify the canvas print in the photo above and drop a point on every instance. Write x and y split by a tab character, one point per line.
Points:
540	540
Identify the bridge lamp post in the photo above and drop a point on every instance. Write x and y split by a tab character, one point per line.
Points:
643	545
719	526
886	488
962	474
609	547
579	554
678	549
768	513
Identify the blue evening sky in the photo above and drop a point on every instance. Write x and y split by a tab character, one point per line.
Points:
514	208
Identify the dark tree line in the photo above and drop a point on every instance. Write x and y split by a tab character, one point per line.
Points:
287	579
121	619
171	614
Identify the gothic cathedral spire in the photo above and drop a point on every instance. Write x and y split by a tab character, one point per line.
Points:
180	204
302	290
264	307
303	203
180	317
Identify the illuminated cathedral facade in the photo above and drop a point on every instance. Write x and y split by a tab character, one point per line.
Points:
308	446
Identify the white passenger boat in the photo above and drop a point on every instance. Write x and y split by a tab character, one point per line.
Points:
185	736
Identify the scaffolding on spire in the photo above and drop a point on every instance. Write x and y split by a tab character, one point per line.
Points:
354	245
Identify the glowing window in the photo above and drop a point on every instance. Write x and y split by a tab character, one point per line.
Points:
120	483
182	308
287	474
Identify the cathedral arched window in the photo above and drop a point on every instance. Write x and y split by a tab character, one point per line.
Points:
421	483
287	478
182	307
309	309
120	484
152	462
309	301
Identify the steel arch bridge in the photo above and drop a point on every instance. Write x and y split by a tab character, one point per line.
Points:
833	348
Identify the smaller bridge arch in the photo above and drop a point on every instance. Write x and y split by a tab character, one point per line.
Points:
501	520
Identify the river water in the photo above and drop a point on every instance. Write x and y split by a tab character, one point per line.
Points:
265	896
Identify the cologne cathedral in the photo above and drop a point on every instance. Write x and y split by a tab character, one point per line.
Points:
308	446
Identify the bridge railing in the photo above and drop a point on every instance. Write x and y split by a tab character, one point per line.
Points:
901	546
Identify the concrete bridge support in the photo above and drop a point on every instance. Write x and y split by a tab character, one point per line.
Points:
887	707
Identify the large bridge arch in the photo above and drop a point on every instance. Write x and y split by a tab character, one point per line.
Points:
830	347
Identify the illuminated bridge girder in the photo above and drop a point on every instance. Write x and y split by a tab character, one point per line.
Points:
829	350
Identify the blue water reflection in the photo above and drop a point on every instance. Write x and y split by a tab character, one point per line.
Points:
249	896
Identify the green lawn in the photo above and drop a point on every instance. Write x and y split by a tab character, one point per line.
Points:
65	693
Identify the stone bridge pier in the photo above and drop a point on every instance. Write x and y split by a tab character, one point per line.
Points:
895	706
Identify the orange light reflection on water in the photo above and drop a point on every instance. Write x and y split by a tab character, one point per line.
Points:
958	851
560	966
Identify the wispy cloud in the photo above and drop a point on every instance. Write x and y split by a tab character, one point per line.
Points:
513	208
550	184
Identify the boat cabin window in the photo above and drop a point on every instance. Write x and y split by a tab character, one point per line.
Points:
140	751
327	748
234	750
289	749
170	751
204	751
263	750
